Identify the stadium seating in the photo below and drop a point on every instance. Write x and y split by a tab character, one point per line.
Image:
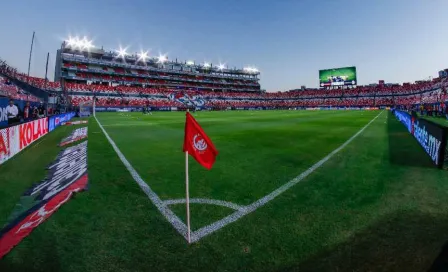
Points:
357	97
425	92
11	91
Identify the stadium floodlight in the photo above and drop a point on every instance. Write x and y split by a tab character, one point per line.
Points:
86	44
221	66
71	41
162	58
143	56
77	43
206	65
190	62
122	52
250	70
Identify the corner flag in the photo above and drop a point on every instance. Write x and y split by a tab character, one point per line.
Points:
198	144
201	148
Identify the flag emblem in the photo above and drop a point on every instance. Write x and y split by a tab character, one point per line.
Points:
199	142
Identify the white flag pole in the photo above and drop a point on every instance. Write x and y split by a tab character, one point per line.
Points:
93	108
187	195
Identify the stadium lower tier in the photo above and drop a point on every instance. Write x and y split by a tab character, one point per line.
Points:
10	90
182	100
359	91
149	89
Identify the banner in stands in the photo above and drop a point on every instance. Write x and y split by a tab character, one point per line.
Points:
57	120
432	137
15	139
66	176
77	135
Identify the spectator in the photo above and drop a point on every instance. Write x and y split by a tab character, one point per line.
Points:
41	111
27	112
12	111
35	112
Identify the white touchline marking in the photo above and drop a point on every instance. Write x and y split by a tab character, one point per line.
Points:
204	231
169	215
241	210
222	203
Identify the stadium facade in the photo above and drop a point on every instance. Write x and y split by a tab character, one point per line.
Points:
78	62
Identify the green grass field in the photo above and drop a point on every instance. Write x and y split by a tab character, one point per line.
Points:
376	205
439	120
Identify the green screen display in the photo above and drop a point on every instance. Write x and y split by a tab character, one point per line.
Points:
337	77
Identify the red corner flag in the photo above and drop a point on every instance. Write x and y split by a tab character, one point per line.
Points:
198	144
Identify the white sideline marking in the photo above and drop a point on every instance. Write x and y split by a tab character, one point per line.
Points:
169	215
205	201
162	206
204	231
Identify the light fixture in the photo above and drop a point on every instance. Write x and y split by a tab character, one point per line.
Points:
143	56
162	58
122	52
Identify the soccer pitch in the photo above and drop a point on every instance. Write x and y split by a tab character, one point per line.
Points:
290	190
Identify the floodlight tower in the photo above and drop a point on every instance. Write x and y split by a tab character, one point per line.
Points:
31	52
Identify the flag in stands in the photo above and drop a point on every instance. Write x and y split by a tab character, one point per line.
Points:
198	144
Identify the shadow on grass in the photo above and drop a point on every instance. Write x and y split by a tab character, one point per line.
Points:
47	261
405	241
403	148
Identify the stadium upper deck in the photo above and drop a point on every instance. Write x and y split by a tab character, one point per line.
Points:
78	61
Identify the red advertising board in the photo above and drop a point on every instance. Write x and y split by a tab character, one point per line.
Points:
31	131
15	139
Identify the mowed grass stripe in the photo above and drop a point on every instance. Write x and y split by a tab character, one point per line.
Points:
255	157
362	211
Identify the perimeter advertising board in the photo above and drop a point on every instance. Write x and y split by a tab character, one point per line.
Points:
432	137
15	139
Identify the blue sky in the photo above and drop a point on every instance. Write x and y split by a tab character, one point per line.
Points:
288	41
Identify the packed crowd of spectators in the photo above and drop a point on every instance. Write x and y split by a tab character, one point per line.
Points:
361	91
10	90
432	91
221	103
365	96
37	82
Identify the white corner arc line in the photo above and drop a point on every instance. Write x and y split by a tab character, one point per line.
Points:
164	210
222	203
241	212
204	231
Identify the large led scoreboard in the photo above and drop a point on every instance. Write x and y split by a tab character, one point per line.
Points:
337	77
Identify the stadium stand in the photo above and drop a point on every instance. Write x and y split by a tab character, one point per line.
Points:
363	96
119	79
10	90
